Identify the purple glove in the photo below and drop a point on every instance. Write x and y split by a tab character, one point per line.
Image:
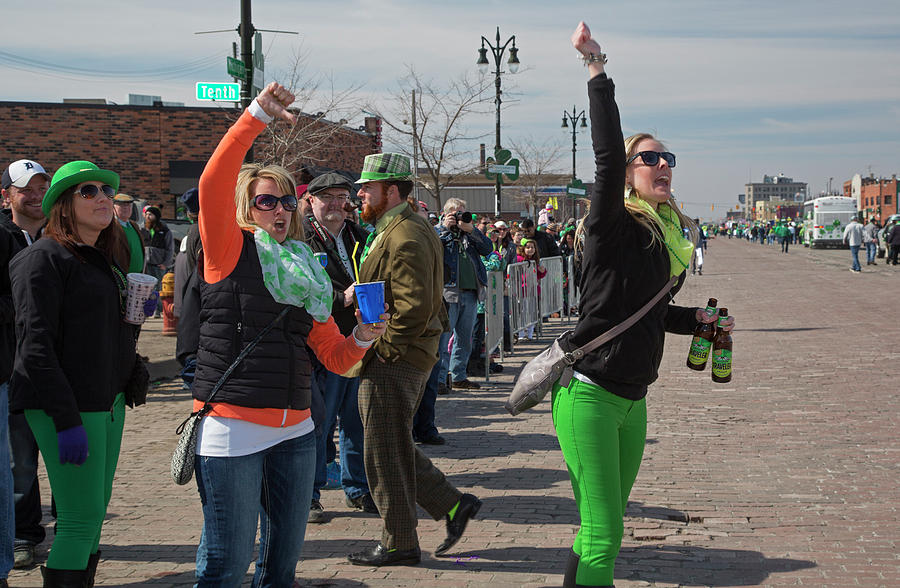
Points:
150	305
73	445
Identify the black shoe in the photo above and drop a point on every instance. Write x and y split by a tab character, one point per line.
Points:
363	503
468	508
434	439
443	390
64	578
496	368
91	570
23	556
466	385
571	570
316	513
381	556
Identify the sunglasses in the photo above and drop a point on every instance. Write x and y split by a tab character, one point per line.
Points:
270	202
90	191
652	157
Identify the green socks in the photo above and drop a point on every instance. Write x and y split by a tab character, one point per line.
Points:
452	512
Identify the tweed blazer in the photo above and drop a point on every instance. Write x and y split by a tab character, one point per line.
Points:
408	257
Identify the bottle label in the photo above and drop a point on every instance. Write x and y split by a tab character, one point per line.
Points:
721	363
711	310
699	350
722	320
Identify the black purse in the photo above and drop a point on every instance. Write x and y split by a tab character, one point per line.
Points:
186	448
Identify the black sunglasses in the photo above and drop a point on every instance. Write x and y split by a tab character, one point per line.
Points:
652	157
270	201
90	191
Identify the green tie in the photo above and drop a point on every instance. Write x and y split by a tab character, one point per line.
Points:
368	244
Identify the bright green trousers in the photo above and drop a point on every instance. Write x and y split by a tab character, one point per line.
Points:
81	492
602	438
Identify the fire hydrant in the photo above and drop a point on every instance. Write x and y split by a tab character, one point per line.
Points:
167	299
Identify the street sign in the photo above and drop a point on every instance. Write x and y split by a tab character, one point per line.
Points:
236	68
502	169
214	91
577	191
576	188
259	63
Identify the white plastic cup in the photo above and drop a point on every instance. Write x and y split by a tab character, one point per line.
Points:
140	287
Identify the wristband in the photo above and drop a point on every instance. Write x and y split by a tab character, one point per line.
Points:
594	58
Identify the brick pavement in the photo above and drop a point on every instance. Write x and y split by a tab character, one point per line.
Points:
787	476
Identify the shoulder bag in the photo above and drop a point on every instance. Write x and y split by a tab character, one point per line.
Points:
553	364
187	431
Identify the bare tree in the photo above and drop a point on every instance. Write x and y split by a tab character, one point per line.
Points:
436	128
322	113
539	167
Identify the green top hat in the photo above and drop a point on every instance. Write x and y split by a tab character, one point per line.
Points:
382	167
72	174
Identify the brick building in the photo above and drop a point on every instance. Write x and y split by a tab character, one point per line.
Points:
159	151
875	197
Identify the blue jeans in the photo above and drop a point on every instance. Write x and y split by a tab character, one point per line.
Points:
423	422
854	254
7	509
26	491
341	403
462	323
871	251
274	487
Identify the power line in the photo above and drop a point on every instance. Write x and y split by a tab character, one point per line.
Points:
37	66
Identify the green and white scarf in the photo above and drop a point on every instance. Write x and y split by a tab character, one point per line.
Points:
293	275
680	249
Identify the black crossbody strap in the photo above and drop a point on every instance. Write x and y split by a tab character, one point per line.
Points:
240	358
611	334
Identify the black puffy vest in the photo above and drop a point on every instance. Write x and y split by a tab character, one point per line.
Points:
233	311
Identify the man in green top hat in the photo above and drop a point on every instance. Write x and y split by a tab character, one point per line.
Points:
405	253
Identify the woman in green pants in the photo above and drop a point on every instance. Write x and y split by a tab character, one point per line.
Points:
633	245
74	356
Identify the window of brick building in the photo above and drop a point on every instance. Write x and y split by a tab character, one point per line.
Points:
887	199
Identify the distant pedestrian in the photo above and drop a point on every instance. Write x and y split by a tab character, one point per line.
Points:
892	238
870	240
853	236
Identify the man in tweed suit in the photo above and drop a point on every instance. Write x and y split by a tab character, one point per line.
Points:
405	253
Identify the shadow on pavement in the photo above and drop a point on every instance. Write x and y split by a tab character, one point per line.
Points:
692	565
518	478
787	330
473	444
642	511
534	509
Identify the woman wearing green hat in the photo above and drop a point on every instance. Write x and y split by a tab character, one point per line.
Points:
74	356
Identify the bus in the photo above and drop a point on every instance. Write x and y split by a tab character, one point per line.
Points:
825	218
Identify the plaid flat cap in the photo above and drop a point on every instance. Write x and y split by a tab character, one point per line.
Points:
385	166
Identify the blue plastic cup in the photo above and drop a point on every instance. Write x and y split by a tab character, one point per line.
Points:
370	299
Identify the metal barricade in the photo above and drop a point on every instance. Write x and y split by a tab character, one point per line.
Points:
493	319
551	287
523	298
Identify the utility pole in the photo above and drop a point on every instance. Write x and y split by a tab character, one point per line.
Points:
246	31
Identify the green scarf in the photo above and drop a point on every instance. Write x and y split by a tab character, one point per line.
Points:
680	249
293	275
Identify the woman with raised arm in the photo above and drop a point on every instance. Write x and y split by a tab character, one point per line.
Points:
633	245
256	451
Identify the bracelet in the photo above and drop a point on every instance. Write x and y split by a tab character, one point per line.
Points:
594	58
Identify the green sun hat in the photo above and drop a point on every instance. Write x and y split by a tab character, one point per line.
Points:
381	167
72	174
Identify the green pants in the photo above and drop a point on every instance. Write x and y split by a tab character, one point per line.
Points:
81	492
602	439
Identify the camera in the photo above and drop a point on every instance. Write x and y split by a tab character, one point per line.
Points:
463	217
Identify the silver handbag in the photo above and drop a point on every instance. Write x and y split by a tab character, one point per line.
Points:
553	364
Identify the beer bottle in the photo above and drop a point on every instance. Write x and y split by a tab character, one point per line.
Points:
721	352
702	341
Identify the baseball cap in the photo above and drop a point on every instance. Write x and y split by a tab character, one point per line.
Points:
20	172
124	198
500	225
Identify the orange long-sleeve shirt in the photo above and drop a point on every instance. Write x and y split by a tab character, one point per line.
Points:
222	244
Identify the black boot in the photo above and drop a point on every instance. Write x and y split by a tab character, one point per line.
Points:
91	570
54	578
572	571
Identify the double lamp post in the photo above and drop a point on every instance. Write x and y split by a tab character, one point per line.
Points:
483	64
573	117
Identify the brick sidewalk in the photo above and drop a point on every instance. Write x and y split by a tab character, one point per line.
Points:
787	476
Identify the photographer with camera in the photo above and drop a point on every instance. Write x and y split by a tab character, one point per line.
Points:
464	281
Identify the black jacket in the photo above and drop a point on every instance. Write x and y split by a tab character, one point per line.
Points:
74	353
321	241
620	274
276	374
546	245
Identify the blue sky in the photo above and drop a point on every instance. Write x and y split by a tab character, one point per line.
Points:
736	89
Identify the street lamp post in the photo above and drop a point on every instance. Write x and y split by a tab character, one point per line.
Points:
483	64
574	118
